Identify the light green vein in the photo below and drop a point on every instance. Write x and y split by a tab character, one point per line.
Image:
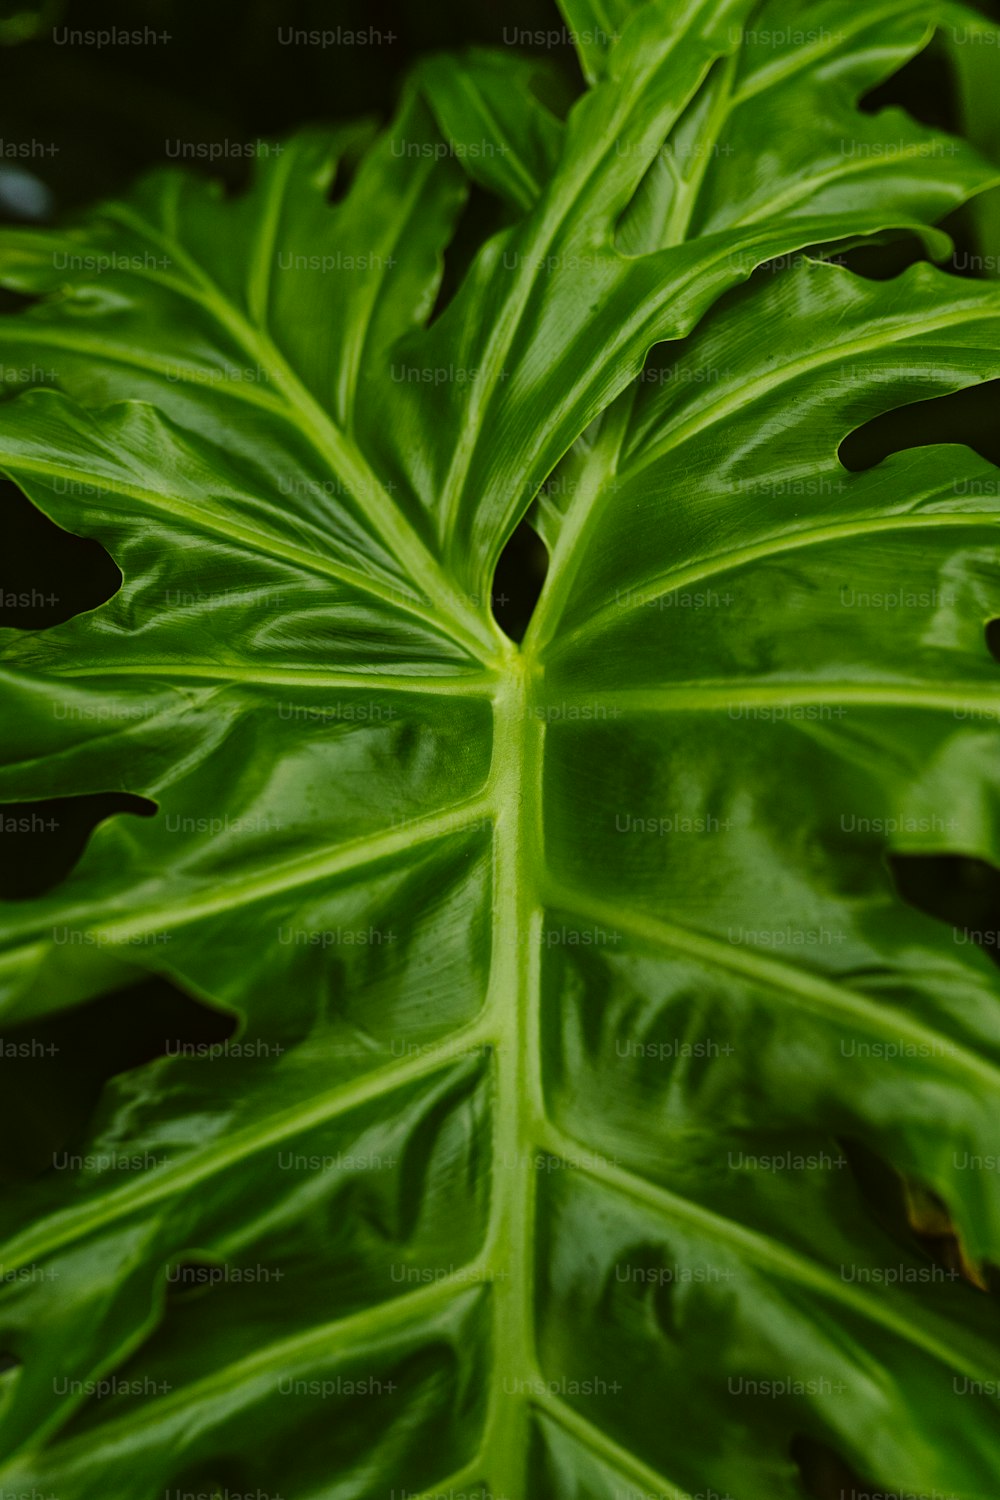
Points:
804	190
906	331
530	187
648	1482
700	697
765	1252
230	529
279	877
804	56
202	377
455	685
725	562
513	1011
567	192
333	1343
352	351
358	854
826	997
262	257
73	1224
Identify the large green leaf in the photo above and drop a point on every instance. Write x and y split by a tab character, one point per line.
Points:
563	971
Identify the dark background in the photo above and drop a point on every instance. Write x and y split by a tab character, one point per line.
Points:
223	76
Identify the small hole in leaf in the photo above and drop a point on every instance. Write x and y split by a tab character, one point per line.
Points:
55	1068
953	888
518	580
967	417
49	574
43	841
230	176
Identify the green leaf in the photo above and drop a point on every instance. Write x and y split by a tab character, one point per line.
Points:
571	977
507	139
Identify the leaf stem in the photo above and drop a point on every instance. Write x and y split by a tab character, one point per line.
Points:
513	1016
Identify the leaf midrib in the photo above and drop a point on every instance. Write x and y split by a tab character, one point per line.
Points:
514	1012
509	1025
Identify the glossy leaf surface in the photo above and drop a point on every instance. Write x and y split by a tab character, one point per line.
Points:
571	978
